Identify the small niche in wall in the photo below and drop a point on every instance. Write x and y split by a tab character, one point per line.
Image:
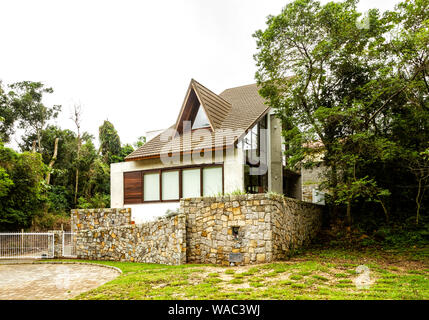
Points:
235	232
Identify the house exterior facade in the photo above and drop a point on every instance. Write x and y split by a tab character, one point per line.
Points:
221	143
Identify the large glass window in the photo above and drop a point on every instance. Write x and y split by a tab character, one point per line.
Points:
170	185
191	183
151	187
212	181
255	144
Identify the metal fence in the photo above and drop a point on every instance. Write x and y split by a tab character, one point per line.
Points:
69	244
25	245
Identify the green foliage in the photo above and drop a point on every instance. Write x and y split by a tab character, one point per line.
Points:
353	97
7	116
110	143
24	196
140	141
97	201
59	199
32	115
51	221
5	182
125	151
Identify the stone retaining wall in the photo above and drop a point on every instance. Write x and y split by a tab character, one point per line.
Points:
293	223
247	229
235	229
162	241
84	219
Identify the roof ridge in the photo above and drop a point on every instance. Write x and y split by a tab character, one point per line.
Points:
217	95
242	86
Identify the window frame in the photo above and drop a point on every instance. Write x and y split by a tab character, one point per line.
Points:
178	168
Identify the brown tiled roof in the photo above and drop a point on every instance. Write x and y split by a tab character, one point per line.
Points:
235	108
215	106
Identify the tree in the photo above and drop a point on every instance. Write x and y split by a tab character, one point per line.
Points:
140	141
360	90
52	162
23	188
312	66
26	101
76	117
110	143
407	55
7	114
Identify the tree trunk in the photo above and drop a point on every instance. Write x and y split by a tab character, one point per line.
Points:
386	213
76	117
418	200
52	162
349	213
76	186
39	142
77	169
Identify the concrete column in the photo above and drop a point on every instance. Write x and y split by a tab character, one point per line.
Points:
117	184
275	168
58	243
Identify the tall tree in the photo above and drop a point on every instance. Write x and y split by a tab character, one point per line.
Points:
327	77
27	101
22	188
77	118
7	114
110	143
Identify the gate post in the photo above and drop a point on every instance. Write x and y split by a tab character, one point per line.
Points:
58	243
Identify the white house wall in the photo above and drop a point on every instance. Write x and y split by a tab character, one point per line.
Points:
233	181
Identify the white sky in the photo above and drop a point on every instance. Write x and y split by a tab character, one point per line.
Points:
131	61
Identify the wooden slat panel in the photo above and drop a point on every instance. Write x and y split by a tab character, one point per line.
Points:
133	187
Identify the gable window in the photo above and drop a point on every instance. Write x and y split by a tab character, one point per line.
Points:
172	184
201	120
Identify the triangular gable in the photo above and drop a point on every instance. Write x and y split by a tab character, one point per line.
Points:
201	120
198	96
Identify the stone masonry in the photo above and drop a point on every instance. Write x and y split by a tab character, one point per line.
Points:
248	229
162	241
226	230
84	219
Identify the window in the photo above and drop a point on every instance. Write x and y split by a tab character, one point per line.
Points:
255	145
191	183
201	120
170	185
151	186
212	181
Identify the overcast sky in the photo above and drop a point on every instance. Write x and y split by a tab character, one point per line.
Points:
131	61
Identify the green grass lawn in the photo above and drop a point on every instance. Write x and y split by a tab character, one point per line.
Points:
313	274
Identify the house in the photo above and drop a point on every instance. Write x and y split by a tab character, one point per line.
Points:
221	143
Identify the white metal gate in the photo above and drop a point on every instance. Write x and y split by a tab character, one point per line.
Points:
26	245
69	244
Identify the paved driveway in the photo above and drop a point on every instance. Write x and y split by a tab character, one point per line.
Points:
50	281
